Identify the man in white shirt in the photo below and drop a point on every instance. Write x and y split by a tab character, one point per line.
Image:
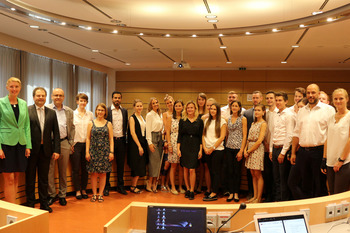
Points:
118	116
268	169
279	147
225	111
67	131
310	134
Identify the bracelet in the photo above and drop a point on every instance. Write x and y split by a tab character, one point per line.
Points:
341	160
111	152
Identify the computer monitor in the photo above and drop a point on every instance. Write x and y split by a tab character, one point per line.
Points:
289	222
167	219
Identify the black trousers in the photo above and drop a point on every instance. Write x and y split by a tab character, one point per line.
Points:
119	157
280	176
268	178
234	170
312	180
41	162
215	162
79	172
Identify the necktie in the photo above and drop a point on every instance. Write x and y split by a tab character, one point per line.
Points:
42	121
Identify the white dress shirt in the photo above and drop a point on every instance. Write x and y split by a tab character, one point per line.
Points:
225	112
311	124
337	137
270	115
154	123
62	121
282	133
81	124
117	118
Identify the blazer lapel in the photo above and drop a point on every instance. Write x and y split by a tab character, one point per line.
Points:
9	108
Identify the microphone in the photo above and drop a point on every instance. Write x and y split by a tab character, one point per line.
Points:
242	206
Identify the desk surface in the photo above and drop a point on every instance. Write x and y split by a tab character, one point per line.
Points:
340	226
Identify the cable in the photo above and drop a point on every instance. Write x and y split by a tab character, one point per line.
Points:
337	224
209	230
240	229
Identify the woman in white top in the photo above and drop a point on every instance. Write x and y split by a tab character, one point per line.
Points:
169	102
154	127
81	119
337	146
213	145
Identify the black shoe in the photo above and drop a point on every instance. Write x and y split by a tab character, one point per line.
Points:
191	197
62	201
236	199
226	194
31	205
206	194
85	196
121	190
79	197
210	198
46	207
51	200
106	192
187	194
229	199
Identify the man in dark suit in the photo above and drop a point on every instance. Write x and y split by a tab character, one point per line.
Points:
45	144
257	98
118	116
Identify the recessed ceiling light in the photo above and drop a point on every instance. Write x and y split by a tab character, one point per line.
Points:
141	34
12	9
211	16
329	19
223	47
221	34
34	26
115	31
127	64
167	35
212	20
63	23
229	62
95	50
283	62
301	25
295	46
248	33
194	35
317	12
89	28
275	30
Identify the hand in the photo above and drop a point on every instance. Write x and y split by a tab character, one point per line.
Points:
246	154
111	156
280	158
199	154
2	154
72	149
211	150
88	157
141	151
166	144
55	156
239	156
337	166
206	151
270	156
170	148
178	152
27	153
324	166
152	148
292	159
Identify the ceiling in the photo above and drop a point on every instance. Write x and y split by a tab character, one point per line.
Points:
322	45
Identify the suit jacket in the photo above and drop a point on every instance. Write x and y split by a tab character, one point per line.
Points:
12	132
125	118
249	114
70	126
51	137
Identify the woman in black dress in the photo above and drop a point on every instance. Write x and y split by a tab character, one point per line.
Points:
137	146
190	145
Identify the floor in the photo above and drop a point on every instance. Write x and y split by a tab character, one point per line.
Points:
83	216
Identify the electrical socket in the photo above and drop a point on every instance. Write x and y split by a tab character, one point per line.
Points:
223	217
10	219
330	209
345	205
307	213
338	210
212	221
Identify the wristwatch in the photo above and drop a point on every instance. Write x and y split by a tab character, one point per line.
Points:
341	160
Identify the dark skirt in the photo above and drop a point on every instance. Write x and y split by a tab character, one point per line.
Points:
15	159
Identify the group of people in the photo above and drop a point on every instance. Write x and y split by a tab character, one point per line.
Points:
289	153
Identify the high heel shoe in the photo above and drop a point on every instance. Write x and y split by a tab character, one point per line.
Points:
148	187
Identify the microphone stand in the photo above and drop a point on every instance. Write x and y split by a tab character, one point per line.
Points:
242	206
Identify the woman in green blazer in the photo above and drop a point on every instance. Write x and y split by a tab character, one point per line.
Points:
15	141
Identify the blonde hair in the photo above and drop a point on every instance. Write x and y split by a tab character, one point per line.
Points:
184	115
150	108
168	97
13	79
341	90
